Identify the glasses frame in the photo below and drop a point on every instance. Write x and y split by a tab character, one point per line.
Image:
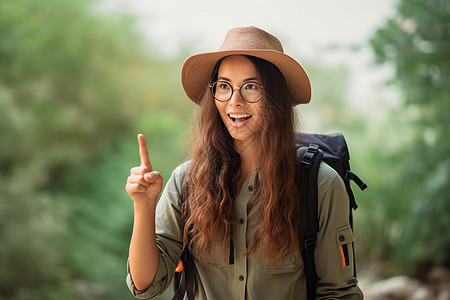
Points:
213	84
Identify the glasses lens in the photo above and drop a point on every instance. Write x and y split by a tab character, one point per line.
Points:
251	91
221	90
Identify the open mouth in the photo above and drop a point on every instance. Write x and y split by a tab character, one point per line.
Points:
239	118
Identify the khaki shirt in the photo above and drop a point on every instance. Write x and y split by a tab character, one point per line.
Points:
255	278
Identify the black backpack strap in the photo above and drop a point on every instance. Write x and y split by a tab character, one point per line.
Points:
190	280
186	285
310	159
184	281
179	286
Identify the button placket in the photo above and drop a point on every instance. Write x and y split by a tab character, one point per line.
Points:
241	234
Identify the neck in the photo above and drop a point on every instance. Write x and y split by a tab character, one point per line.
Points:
249	159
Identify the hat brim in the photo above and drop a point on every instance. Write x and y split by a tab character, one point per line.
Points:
197	69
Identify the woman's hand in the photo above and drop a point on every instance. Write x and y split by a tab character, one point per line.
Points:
144	185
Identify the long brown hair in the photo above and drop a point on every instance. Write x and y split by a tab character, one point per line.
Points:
212	178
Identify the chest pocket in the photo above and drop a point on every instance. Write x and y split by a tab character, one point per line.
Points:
287	266
216	259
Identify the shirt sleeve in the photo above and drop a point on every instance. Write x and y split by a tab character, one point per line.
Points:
168	237
334	249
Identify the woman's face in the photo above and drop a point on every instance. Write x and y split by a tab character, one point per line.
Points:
242	119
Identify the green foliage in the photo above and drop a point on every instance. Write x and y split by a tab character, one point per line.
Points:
101	222
72	83
417	42
328	110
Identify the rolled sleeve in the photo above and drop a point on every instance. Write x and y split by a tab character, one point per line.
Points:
334	251
154	289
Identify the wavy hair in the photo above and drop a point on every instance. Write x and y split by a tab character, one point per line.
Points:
213	175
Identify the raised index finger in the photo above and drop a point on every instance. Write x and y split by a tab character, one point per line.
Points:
143	152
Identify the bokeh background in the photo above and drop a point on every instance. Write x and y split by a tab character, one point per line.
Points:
80	78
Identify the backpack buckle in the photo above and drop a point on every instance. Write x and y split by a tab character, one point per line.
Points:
310	154
310	244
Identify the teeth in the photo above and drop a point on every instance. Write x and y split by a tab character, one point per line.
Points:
239	116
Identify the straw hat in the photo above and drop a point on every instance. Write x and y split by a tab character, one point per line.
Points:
197	69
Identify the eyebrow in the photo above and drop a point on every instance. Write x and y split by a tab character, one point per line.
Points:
245	80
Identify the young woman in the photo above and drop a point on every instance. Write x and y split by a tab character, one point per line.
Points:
238	194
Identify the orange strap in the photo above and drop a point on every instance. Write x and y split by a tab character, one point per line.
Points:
179	268
342	256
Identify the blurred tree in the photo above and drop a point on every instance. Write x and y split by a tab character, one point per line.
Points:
72	80
417	42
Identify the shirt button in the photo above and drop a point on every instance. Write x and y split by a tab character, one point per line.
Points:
241	278
342	238
250	188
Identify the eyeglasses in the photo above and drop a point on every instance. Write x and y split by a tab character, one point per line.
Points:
250	92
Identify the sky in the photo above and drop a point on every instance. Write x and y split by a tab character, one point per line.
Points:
304	27
323	31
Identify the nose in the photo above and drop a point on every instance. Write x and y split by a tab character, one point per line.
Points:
236	99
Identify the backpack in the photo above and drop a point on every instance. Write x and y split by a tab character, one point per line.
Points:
311	150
